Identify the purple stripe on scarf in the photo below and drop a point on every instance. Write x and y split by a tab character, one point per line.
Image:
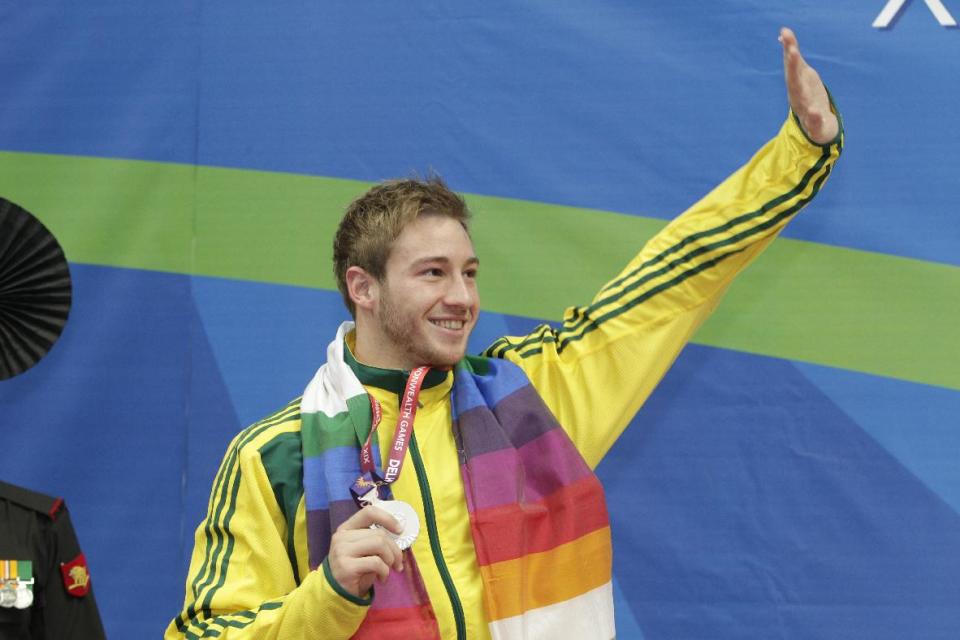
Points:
398	591
318	536
320	526
517	420
525	475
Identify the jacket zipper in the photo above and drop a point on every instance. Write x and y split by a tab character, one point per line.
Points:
430	516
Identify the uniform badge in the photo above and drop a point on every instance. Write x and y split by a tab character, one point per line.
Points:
76	578
16	583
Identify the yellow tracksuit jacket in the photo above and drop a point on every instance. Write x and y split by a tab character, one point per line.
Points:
249	576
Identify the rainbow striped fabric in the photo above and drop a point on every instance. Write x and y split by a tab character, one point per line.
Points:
537	512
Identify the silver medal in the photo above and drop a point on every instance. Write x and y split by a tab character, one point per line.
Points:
24	597
406	516
8	595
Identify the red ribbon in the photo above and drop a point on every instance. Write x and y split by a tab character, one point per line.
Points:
401	439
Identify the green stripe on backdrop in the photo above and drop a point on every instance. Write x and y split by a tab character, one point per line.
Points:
118	213
855	310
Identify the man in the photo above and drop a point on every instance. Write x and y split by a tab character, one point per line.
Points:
45	589
513	531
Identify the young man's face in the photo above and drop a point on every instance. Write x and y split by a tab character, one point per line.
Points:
428	301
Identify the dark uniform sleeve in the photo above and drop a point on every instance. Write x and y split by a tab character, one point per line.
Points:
71	610
37	528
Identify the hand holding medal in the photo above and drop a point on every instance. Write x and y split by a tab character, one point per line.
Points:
359	554
405	515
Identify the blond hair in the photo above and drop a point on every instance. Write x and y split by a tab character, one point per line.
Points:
376	219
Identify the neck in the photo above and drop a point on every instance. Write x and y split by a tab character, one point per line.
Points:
374	350
390	378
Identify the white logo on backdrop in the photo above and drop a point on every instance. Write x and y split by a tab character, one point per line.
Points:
893	8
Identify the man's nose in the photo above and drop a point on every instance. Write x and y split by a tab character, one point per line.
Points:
459	292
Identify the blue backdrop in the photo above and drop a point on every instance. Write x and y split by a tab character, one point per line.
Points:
757	495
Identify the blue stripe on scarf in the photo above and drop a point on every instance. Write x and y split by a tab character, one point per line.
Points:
501	379
335	469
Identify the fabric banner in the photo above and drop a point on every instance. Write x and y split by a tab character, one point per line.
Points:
796	473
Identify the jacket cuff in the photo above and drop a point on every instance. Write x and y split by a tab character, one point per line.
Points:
338	588
836	140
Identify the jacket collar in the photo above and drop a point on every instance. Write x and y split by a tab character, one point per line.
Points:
393	380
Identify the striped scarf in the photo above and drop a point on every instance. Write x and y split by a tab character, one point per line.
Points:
537	512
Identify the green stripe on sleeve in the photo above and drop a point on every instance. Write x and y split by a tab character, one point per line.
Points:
586	320
220	563
209	628
212	526
799	188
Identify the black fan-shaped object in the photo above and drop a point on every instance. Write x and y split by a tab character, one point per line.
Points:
35	291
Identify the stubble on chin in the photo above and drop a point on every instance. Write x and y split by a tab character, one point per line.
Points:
411	347
408	342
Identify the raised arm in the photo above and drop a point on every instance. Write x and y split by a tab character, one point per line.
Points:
598	368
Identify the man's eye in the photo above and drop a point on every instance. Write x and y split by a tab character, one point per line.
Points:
435	272
470	273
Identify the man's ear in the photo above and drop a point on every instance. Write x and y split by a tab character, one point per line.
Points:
363	288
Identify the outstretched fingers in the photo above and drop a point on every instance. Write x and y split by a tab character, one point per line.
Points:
806	92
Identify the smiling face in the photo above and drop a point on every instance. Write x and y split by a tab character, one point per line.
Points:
423	309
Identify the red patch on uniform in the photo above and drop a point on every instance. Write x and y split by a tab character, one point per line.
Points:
76	577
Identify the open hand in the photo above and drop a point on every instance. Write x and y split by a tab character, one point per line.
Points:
808	96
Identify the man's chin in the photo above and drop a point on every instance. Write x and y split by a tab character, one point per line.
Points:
446	358
446	362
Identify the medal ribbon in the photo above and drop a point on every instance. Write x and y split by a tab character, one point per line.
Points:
401	439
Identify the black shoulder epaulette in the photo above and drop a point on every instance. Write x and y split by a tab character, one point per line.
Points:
32	500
